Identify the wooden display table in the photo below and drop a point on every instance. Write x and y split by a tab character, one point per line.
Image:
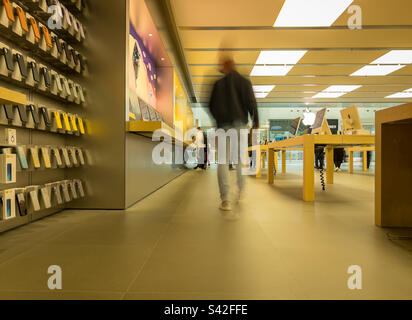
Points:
393	182
308	143
364	151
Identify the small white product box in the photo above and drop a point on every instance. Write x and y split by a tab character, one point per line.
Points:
10	137
8	168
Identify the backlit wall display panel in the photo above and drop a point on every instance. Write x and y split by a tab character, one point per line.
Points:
142	76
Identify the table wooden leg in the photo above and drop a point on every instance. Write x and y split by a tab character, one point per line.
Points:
258	164
271	164
264	160
330	165
308	169
350	161
284	161
365	161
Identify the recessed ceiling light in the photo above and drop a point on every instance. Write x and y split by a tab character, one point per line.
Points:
311	13
263	88
163	59
403	94
280	57
150	35
329	95
261	95
336	91
376	70
341	88
395	57
262	71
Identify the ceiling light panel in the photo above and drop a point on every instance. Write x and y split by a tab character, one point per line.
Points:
311	13
395	57
280	56
270	71
261	95
263	88
401	95
329	95
336	91
345	89
376	70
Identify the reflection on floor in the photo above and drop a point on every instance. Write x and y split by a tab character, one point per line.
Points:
175	244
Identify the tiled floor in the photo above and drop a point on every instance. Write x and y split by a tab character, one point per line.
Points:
175	244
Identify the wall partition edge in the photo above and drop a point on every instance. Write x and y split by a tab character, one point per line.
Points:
105	178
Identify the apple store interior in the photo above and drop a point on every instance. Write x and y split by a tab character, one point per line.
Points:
91	90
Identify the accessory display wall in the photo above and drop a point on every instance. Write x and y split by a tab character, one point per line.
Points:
44	101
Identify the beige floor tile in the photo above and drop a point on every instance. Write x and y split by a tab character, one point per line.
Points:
176	244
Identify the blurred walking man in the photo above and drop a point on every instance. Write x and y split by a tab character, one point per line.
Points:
231	103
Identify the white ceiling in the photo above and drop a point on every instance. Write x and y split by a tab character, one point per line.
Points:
244	28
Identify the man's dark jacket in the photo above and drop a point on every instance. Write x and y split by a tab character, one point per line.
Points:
233	100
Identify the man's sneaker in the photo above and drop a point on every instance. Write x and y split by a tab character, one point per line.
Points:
225	206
